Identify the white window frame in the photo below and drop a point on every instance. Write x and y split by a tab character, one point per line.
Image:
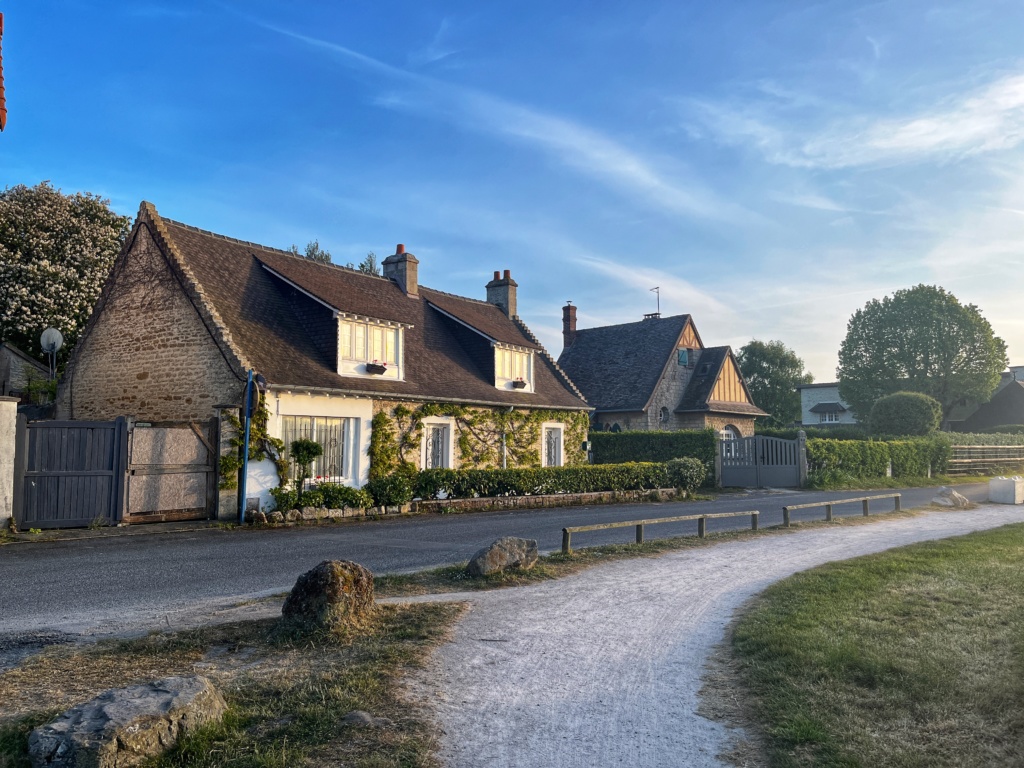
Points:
449	439
356	347
832	417
558	427
349	448
512	363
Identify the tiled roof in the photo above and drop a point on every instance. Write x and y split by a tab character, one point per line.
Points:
828	408
702	385
262	321
616	367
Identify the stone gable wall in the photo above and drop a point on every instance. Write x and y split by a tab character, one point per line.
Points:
148	354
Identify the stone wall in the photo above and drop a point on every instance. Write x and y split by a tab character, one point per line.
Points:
8	430
148	353
16	372
717	422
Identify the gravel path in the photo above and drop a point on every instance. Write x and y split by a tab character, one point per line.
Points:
603	668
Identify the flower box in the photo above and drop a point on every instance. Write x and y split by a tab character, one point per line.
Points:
376	368
518	384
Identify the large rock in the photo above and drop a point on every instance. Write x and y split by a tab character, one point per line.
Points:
126	726
335	593
507	552
947	497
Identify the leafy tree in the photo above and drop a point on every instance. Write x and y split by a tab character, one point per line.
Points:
772	372
919	339
905	413
313	252
56	251
367	266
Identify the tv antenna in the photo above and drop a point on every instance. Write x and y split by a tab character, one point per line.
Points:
656	290
51	341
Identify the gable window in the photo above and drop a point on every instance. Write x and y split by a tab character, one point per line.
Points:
553	444
513	369
337	437
365	343
436	448
828	418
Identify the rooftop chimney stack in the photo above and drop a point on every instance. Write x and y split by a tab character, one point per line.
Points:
568	325
403	268
501	292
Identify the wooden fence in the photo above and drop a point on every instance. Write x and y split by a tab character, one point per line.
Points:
639	524
985	459
864	500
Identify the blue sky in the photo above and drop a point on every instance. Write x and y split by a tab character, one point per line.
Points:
770	165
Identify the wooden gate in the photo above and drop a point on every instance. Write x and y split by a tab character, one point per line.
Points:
762	462
172	472
69	474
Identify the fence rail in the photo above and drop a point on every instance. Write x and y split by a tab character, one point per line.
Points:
984	459
864	500
701	525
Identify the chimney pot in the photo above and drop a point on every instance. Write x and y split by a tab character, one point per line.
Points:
508	274
399	249
497	275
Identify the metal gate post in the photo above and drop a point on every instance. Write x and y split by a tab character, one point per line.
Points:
758	458
718	460
801	457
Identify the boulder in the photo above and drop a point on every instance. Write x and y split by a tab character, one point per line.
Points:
126	726
505	553
947	497
335	593
276	517
292	516
258	518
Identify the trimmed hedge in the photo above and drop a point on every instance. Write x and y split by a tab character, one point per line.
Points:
620	447
999	436
686	473
838	432
905	413
871	458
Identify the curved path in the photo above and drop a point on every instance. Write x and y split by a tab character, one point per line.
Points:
603	668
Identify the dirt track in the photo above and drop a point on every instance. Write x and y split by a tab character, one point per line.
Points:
604	668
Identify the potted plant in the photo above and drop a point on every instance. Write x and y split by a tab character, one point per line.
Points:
376	367
518	384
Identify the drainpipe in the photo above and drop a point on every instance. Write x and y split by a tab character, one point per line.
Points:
245	444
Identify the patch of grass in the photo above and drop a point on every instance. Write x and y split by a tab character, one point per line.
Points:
912	657
286	693
842	482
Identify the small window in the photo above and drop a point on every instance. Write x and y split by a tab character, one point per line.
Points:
436	448
665	415
369	349
682	357
827	418
337	438
513	369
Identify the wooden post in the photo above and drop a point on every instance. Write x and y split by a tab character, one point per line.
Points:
865	505
566	541
640	534
753	522
785	516
828	513
702	526
896	499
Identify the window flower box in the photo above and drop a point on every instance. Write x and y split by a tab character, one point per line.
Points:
376	368
518	384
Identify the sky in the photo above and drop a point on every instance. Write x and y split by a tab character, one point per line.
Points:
770	166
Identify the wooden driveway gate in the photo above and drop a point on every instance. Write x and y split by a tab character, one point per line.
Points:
762	462
73	474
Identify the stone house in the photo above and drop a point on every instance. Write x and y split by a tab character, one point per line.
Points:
1004	408
17	369
821	406
450	381
656	374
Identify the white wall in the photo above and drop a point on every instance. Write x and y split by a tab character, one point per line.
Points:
810	397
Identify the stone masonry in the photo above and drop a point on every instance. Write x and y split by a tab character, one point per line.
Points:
168	367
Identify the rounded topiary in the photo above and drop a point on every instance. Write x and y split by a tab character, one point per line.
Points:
686	473
905	413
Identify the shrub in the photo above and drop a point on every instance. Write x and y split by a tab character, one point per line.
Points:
905	413
620	447
284	498
336	496
390	490
686	473
837	432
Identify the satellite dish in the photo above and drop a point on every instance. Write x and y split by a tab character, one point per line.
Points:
51	340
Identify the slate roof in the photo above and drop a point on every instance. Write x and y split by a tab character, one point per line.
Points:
702	383
828	408
616	367
248	292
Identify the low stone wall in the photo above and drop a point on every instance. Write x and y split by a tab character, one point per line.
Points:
483	504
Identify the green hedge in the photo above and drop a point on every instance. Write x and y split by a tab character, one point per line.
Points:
619	447
686	473
999	436
838	432
870	458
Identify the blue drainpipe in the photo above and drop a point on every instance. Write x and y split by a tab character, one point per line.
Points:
245	444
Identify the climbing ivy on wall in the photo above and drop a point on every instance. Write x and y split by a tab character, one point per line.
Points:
261	446
478	432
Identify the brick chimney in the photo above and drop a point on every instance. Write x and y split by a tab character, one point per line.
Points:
403	268
568	325
501	291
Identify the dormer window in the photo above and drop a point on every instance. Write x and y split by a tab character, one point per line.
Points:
513	368
370	348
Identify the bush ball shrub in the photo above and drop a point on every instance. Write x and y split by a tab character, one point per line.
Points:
905	413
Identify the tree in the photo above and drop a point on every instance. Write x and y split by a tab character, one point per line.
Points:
56	251
919	339
313	252
367	266
772	372
905	413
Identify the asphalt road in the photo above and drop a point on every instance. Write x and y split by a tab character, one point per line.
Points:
107	585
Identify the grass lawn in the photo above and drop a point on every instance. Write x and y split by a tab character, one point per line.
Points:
912	657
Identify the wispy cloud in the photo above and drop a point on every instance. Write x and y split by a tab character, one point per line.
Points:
987	119
437	50
586	150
